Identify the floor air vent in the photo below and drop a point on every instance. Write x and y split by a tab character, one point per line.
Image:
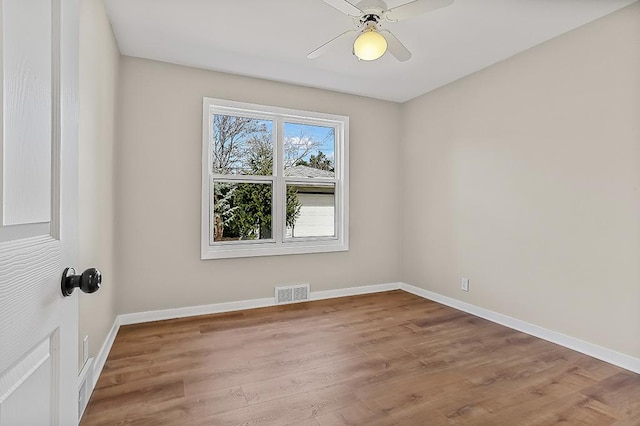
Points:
292	293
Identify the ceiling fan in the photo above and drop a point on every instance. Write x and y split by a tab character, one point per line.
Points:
370	41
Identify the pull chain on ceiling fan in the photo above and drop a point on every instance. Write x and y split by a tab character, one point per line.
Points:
371	42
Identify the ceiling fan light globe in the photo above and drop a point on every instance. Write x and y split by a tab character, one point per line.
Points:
369	46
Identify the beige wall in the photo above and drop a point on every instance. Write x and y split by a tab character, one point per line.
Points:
99	58
158	192
525	177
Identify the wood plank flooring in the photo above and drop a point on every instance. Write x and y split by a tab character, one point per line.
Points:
383	359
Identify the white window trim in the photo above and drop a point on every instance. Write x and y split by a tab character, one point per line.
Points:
279	245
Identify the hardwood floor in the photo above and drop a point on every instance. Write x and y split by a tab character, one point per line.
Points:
383	359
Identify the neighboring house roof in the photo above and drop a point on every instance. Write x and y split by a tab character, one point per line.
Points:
306	171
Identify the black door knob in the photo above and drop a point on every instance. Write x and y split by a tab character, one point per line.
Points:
89	281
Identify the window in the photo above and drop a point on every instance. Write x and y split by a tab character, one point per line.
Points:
274	181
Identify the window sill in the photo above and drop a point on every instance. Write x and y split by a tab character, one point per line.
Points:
272	249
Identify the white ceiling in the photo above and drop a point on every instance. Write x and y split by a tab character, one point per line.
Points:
271	38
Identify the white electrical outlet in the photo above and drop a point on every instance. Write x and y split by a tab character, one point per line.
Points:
85	349
464	284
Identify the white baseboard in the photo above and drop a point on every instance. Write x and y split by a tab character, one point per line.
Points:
97	364
85	386
101	357
612	357
191	311
216	308
353	291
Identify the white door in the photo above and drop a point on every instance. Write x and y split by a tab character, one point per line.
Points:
38	188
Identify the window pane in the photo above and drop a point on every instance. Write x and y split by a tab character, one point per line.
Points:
241	211
309	151
310	210
242	146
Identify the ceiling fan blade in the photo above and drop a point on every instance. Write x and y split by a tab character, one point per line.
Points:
397	49
414	8
345	7
320	50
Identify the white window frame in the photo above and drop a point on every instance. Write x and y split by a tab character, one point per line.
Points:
279	244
